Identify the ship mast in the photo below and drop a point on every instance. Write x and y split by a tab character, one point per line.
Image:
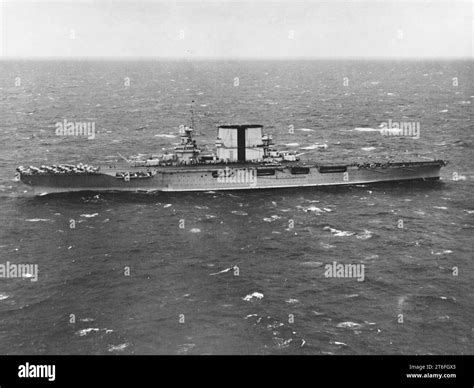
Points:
192	116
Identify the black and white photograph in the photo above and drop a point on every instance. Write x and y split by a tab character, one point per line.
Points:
236	178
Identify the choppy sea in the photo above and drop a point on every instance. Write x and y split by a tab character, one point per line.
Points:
246	273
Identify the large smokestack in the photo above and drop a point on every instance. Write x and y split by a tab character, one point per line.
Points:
240	140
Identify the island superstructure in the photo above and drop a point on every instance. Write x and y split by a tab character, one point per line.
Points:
244	158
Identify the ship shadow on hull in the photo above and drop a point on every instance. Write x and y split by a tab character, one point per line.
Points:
151	197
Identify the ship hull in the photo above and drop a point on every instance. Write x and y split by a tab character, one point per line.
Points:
233	177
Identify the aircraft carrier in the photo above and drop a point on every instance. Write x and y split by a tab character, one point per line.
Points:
244	158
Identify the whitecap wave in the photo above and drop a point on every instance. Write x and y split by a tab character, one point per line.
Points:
253	296
327	246
115	348
4	296
339	233
239	213
87	331
313	209
224	271
251	315
365	235
272	218
444	252
349	325
370	257
165	135
315	146
89	215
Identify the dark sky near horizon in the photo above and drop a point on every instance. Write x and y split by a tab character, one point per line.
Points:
258	29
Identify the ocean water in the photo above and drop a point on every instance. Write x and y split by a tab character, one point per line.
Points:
246	274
